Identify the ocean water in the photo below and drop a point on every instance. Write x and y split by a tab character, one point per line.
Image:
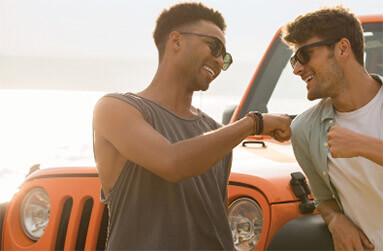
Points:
54	129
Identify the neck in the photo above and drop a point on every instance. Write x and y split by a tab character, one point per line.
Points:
170	91
360	88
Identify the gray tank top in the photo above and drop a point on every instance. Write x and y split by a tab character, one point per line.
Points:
148	213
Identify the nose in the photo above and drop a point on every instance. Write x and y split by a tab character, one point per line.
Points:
298	68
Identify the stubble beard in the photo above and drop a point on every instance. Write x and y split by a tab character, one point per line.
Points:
200	82
197	80
330	83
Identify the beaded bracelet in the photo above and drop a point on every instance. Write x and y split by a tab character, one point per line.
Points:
257	116
260	126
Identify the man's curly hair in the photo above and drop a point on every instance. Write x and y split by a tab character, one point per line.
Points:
181	15
327	23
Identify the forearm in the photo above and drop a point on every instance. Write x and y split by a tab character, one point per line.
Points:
345	143
329	209
371	148
140	143
346	235
195	156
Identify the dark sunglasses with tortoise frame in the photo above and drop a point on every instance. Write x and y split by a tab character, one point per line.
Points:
303	56
217	49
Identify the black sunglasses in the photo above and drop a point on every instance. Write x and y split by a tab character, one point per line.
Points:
303	56
217	49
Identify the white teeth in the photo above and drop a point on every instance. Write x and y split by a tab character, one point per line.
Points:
208	69
308	78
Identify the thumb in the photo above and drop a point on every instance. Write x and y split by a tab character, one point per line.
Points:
365	241
281	135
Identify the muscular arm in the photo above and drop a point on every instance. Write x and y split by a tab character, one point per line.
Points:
345	143
373	150
346	235
125	128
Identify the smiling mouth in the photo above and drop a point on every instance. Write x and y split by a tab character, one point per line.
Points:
209	70
308	79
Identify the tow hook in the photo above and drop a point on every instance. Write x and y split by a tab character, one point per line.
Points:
301	190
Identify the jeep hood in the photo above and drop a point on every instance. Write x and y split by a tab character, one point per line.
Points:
265	168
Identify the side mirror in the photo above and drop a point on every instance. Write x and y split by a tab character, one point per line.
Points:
228	113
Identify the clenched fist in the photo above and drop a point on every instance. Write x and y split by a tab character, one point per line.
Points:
277	126
345	143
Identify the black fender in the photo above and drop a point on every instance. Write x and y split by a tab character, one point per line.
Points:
3	208
304	233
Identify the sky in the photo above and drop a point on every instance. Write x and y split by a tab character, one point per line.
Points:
123	29
107	45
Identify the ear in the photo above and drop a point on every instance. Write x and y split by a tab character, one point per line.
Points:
175	40
343	48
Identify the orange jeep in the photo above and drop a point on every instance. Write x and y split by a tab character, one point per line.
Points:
270	202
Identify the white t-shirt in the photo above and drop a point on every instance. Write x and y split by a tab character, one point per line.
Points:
358	180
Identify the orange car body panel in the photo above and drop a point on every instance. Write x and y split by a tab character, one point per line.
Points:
60	186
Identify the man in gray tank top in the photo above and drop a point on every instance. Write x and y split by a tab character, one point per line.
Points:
163	164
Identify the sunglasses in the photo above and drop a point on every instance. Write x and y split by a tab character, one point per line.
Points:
217	49
303	56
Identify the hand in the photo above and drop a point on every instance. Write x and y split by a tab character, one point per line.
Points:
277	126
346	235
342	142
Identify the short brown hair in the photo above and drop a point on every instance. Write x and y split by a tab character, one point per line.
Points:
327	23
180	15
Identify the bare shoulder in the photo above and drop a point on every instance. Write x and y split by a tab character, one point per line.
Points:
112	105
111	111
118	127
115	124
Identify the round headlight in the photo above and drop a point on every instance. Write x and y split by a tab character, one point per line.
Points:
246	221
34	213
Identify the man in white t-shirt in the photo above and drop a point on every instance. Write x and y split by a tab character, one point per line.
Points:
339	142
